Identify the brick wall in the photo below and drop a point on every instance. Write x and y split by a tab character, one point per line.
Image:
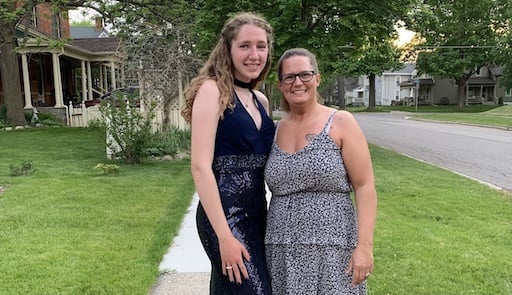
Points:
45	20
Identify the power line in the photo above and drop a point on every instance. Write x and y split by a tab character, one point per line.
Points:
456	46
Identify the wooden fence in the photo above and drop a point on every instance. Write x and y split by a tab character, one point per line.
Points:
81	115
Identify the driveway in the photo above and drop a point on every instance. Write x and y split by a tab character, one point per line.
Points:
484	154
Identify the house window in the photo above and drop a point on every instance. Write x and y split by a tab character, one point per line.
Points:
478	71
398	79
56	26
33	20
397	94
508	92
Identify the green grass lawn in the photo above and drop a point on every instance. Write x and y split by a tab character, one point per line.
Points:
482	115
69	229
496	117
438	232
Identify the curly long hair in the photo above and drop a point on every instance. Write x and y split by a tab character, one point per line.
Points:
219	66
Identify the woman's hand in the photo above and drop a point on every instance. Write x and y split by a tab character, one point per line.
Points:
233	253
361	264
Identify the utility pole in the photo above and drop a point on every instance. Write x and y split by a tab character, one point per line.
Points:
416	92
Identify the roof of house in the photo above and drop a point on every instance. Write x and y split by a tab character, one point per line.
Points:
88	32
412	82
98	44
481	81
497	71
407	68
350	83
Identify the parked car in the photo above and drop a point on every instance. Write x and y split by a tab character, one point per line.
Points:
128	93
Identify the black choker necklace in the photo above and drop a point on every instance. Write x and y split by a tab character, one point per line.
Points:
242	84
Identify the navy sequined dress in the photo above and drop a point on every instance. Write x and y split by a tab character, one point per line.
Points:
241	151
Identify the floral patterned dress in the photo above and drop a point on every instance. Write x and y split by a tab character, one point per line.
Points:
311	224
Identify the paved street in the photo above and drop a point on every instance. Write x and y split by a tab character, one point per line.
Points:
480	153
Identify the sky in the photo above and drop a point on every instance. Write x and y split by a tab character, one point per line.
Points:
77	16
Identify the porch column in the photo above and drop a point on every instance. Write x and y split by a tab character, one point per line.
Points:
57	83
105	79
123	78
89	80
84	81
26	81
113	75
181	101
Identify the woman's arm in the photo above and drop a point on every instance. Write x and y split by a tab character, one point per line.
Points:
357	159
205	117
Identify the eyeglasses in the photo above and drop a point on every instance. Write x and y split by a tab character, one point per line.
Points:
305	76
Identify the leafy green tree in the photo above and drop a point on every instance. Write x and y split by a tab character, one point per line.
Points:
505	48
459	37
82	23
10	15
326	28
371	61
130	18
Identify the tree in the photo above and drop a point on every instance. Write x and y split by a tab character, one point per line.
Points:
324	27
505	48
10	15
371	61
160	57
459	37
132	19
160	43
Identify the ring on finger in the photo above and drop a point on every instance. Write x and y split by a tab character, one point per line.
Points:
229	267
367	274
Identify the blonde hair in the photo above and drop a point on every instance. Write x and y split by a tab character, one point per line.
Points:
219	66
291	53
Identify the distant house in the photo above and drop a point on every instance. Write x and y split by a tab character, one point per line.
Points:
403	86
387	85
482	88
356	91
96	31
53	77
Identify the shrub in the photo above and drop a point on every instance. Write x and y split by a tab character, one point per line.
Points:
170	143
129	132
97	124
24	169
4	121
49	119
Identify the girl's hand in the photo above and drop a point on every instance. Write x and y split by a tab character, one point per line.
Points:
233	253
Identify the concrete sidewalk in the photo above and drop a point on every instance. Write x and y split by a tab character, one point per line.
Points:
185	269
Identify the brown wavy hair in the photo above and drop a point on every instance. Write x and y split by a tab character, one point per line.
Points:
219	66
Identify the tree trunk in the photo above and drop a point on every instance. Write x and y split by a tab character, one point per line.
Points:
10	74
268	90
461	91
371	98
340	81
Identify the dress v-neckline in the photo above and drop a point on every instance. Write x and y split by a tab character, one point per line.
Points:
241	104
302	149
315	137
